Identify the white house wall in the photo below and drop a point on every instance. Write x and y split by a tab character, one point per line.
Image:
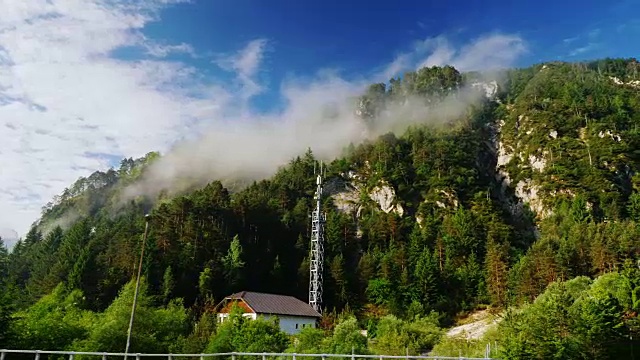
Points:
292	324
223	316
289	324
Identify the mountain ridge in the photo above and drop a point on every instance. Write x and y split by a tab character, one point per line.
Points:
532	183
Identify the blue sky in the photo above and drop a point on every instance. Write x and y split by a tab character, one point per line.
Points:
358	37
228	88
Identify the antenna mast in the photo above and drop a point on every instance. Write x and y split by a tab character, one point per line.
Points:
317	249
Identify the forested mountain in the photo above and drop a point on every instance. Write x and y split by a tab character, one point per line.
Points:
535	184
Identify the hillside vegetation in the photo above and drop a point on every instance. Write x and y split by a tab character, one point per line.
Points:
533	190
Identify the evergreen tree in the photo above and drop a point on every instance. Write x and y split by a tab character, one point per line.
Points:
497	270
233	263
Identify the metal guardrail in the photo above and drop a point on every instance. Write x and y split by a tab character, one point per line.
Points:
233	355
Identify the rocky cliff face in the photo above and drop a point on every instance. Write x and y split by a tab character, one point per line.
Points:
544	144
349	190
525	191
548	147
490	88
347	193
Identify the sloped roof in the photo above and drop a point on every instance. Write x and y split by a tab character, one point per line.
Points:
275	304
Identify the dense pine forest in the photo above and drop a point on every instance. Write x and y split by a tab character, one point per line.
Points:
526	205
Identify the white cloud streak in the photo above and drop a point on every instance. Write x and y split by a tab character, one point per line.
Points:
63	96
487	52
67	105
245	64
9	237
590	42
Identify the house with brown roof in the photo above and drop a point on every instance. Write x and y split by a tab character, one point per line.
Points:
293	314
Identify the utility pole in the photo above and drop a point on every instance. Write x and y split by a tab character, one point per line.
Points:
135	294
317	249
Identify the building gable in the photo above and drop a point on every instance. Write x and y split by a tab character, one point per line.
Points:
270	304
229	304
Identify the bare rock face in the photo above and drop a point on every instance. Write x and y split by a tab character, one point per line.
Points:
385	196
610	134
538	162
525	191
347	195
632	83
490	88
448	199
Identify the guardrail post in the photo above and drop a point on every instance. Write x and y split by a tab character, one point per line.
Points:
294	356
37	354
138	356
70	356
104	356
264	356
169	357
233	356
2	354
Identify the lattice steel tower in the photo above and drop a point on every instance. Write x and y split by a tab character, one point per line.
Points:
317	249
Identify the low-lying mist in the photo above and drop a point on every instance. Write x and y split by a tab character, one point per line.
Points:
320	116
106	89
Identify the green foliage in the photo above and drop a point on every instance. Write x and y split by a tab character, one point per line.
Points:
634	206
199	338
154	329
393	336
52	323
347	338
6	306
168	284
460	345
309	341
577	319
241	334
6	322
397	337
461	240
233	263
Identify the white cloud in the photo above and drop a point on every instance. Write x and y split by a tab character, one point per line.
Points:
592	43
64	98
319	115
9	237
583	49
401	63
62	95
490	52
487	52
164	50
245	64
440	52
570	40
594	33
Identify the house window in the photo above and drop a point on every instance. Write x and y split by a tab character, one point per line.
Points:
296	326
